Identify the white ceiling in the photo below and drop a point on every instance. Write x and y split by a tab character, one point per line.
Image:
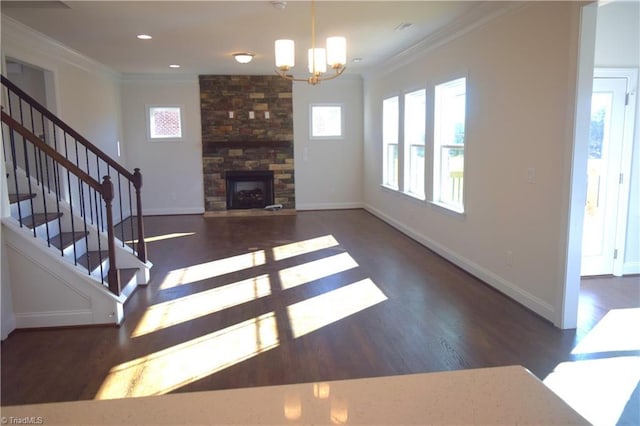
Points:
202	35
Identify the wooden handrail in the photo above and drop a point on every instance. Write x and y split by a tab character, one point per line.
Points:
64	126
55	155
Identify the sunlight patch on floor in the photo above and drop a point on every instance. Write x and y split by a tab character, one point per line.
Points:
177	366
162	237
197	305
302	247
213	269
319	311
311	271
612	333
598	389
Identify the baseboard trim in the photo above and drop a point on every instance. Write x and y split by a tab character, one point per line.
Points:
631	268
329	206
521	296
173	211
53	319
8	326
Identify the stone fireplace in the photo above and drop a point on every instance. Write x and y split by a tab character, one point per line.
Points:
247	126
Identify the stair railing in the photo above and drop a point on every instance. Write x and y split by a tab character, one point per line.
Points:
85	156
46	157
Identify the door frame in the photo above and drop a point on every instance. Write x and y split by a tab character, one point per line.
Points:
569	292
623	163
631	75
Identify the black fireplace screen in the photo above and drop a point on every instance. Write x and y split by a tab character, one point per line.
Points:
249	189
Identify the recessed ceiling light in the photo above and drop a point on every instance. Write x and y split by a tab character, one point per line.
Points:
174	66
144	37
356	60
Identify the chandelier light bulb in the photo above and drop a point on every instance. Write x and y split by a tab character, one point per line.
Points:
317	61
336	51
285	54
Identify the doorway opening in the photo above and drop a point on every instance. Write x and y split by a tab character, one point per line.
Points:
608	172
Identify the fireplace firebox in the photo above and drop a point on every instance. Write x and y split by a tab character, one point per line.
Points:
249	189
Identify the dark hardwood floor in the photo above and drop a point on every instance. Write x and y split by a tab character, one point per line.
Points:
218	282
598	295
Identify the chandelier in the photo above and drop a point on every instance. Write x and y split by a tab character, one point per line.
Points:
335	55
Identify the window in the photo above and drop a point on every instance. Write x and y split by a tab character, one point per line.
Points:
414	137
448	144
390	129
164	122
326	122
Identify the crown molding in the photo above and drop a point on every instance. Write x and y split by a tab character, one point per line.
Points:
476	17
19	40
158	78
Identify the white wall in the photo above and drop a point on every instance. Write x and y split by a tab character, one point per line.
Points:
171	171
328	173
618	46
520	93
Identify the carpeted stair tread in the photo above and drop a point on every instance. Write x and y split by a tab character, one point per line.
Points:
68	238
39	219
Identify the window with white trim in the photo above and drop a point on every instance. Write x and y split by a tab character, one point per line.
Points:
164	123
326	122
414	142
448	144
390	134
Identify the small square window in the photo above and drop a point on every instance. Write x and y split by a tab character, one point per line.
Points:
326	122
164	122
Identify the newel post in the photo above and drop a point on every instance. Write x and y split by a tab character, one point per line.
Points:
142	245
113	276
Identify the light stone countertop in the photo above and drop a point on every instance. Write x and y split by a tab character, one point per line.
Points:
501	395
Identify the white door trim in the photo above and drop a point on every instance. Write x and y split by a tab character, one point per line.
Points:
631	75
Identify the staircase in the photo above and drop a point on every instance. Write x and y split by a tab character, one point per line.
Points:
74	237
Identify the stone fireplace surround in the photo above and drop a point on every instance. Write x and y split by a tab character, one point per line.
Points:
253	156
244	143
